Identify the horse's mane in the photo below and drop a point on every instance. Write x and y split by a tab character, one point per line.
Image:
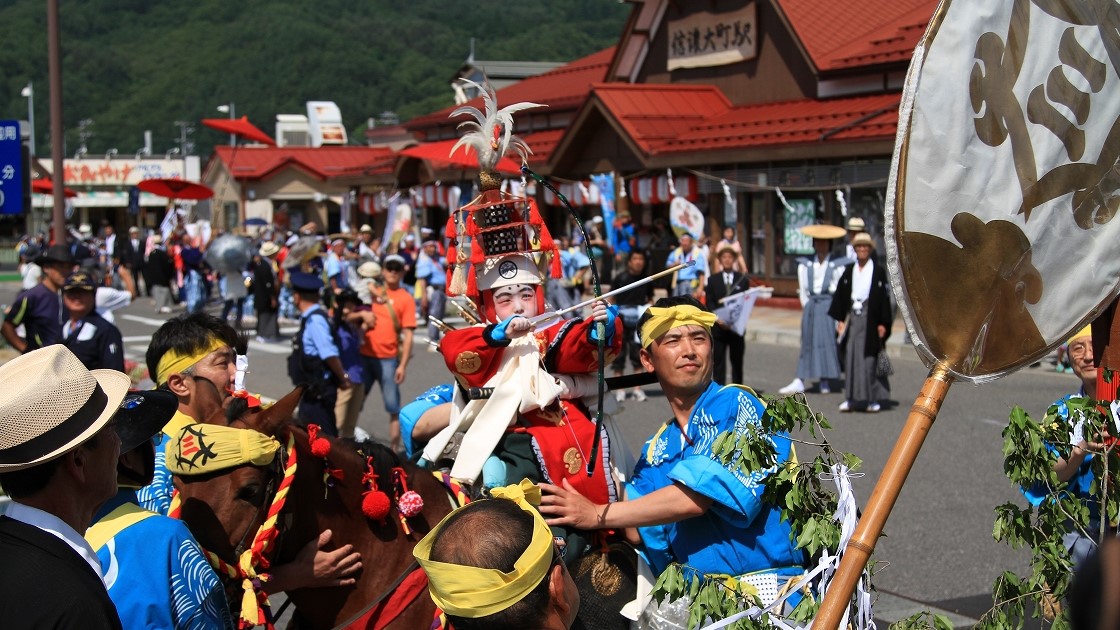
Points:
384	459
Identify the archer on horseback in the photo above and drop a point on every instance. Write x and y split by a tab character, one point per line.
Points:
517	410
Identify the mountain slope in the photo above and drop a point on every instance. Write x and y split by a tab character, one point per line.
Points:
131	65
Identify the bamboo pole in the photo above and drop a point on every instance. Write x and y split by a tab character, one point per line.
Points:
882	499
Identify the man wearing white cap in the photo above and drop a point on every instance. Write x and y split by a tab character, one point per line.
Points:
855	226
58	463
431	273
158	274
338	266
366	249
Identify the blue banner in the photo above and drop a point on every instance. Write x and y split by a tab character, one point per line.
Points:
605	182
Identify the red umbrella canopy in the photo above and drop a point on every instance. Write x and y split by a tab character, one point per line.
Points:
45	186
438	153
240	127
176	189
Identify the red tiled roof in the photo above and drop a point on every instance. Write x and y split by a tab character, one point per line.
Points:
653	114
542	143
322	162
564	88
664	118
849	34
793	122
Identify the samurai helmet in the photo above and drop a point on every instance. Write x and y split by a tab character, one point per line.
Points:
499	238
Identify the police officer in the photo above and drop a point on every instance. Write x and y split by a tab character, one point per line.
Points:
39	308
315	356
95	341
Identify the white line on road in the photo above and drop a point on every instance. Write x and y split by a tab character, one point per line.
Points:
151	321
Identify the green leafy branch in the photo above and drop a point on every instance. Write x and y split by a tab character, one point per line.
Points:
1031	450
799	489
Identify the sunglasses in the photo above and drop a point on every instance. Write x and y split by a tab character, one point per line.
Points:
394	268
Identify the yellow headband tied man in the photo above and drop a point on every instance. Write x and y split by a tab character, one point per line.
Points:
199	449
663	320
474	592
174	362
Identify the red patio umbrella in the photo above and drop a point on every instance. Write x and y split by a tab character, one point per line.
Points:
176	189
241	127
45	186
438	153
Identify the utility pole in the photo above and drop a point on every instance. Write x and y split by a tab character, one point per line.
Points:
186	145
85	132
54	63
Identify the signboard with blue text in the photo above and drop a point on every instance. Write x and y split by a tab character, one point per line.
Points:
11	168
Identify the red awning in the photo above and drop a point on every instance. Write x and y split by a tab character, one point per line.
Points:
239	127
439	155
175	189
45	186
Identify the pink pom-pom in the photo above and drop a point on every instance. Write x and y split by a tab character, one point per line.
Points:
410	504
375	505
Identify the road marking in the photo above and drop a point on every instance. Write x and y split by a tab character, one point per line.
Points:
891	608
143	320
270	348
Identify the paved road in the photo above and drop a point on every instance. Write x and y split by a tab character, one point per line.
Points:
938	549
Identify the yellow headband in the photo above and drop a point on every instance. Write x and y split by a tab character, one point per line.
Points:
473	592
199	449
175	362
1084	332
665	319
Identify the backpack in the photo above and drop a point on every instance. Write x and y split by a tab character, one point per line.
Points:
305	369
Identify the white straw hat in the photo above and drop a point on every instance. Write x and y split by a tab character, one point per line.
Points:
50	403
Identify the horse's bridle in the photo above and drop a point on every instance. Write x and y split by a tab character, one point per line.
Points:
276	470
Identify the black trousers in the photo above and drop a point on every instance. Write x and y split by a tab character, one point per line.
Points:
320	411
726	344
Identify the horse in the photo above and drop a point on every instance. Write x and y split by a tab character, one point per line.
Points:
224	510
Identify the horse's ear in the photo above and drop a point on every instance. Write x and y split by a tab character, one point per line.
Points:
270	420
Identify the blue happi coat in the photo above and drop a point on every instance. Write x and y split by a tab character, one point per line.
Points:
157	576
739	534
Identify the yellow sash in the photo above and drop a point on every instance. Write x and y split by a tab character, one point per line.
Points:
115	522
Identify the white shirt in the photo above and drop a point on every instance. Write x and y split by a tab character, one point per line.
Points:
53	525
861	282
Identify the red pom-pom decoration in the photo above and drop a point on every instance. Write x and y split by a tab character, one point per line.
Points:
375	505
410	504
320	447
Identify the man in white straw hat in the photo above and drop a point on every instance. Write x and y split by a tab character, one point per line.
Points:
817	278
58	463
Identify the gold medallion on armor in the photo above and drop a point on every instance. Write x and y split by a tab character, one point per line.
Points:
468	362
572	459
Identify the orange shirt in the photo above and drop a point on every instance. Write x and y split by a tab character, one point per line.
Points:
382	341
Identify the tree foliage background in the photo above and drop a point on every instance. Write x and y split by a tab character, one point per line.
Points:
132	65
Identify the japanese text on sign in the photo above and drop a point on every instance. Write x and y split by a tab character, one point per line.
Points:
713	39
